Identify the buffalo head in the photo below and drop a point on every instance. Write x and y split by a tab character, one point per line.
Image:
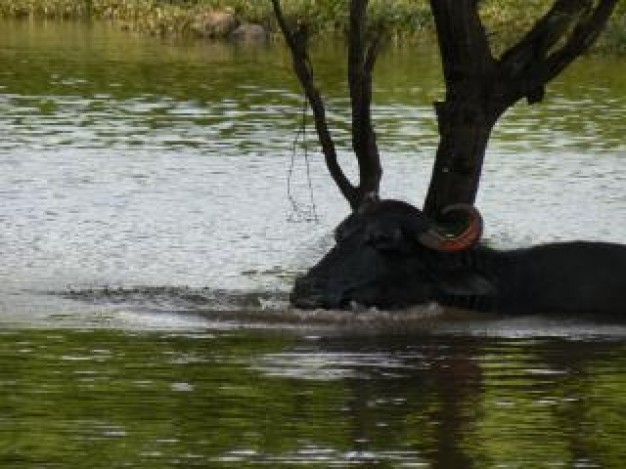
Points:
387	254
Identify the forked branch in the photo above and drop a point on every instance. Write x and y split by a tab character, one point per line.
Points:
361	61
297	43
538	57
362	54
584	34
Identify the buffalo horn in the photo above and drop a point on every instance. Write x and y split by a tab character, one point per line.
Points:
435	239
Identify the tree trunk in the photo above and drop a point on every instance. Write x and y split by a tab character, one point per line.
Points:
480	88
465	118
464	129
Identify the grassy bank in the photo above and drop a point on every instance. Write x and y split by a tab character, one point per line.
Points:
406	19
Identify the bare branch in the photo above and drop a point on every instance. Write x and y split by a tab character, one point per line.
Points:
533	62
543	36
372	52
584	35
355	66
361	60
297	43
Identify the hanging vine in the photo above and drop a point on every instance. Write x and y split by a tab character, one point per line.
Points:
301	211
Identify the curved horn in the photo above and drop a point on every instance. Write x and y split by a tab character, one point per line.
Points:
435	239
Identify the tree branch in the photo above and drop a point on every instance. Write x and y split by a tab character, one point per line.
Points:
543	36
361	60
585	33
372	53
355	68
530	64
297	43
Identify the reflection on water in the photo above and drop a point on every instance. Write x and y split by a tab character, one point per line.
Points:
240	399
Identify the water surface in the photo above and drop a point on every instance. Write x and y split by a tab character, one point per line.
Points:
242	399
151	226
129	161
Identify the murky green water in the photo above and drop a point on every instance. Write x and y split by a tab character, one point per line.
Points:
147	241
243	399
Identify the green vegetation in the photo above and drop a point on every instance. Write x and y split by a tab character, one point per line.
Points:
406	19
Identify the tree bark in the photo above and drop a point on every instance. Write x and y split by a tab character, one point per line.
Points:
464	130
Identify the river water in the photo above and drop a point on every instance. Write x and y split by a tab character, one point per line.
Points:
154	211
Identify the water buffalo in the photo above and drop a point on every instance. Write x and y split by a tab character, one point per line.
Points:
390	255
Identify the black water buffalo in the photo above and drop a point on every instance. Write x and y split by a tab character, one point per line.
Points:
389	255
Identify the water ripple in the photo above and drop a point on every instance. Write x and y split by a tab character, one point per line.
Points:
129	162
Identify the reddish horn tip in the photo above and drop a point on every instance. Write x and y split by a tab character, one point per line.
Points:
435	239
472	233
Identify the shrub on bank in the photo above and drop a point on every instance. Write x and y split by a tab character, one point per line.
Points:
505	19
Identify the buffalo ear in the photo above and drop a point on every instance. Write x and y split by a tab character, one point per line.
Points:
465	283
